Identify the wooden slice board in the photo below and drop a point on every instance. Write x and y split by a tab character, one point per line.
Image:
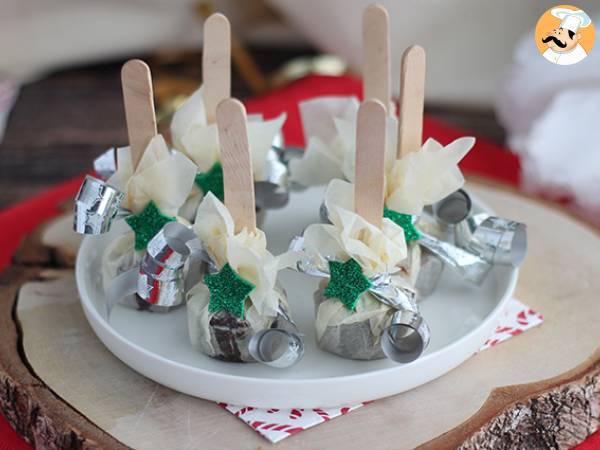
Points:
63	388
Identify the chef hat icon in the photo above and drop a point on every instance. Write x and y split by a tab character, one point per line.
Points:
571	19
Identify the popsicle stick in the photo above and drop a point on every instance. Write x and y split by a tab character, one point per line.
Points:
139	107
237	165
376	55
412	101
369	185
242	59
216	63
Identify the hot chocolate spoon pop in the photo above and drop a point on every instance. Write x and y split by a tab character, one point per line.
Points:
365	307
147	190
240	313
194	130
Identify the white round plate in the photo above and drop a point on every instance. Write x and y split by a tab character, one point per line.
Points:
461	317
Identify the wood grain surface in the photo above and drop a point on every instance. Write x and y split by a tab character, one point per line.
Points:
238	180
138	99
216	63
412	101
556	411
369	186
376	55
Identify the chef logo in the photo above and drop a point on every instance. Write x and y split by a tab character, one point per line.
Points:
564	35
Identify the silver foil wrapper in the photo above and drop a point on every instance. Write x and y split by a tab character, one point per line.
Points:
278	347
274	191
494	240
159	283
406	338
97	204
469	266
161	272
470	244
429	274
497	240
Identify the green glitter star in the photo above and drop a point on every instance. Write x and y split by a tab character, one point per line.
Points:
212	181
405	221
147	223
228	291
347	283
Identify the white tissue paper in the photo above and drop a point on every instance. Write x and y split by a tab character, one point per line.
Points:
247	254
418	179
426	176
196	138
375	250
330	128
161	176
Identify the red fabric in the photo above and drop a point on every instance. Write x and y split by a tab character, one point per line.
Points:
486	159
591	443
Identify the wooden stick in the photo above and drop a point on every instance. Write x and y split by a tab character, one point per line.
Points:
216	63
412	101
245	64
376	55
139	107
369	183
237	164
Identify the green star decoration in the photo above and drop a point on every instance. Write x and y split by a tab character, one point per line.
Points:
347	283
147	223
228	291
212	181
405	221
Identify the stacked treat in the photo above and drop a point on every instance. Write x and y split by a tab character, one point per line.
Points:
393	213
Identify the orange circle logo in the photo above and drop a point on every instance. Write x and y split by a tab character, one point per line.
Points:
564	35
